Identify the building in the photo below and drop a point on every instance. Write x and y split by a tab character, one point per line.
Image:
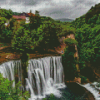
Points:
21	17
27	16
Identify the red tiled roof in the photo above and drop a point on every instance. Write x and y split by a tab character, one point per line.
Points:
19	17
30	14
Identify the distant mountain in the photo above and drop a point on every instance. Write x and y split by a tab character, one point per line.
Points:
64	20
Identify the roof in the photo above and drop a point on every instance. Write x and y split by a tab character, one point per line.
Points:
24	14
19	17
30	14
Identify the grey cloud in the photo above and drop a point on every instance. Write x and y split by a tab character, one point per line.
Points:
57	12
34	2
24	2
3	2
6	2
75	9
83	2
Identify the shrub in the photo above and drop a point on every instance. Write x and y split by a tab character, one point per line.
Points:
7	92
69	63
70	41
51	97
83	79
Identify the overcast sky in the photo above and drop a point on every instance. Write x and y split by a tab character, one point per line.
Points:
54	8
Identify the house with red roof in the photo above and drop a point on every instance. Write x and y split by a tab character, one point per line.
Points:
21	17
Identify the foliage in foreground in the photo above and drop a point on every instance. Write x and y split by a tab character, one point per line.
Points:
7	92
5	13
51	97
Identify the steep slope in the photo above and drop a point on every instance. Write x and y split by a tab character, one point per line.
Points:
88	37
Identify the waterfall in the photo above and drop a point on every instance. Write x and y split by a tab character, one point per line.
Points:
93	89
45	76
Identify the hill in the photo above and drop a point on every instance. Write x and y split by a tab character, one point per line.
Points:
64	20
93	12
91	17
88	37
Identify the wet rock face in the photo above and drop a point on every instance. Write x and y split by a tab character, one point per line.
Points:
89	73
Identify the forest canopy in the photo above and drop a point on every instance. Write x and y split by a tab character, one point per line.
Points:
42	32
88	36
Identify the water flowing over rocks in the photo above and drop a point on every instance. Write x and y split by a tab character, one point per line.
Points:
45	75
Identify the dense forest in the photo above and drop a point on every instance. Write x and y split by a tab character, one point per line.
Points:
88	34
41	30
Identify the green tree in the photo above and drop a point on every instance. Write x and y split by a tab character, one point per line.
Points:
2	27
50	38
7	92
7	35
70	42
37	13
22	42
87	34
12	21
68	60
5	13
35	20
65	29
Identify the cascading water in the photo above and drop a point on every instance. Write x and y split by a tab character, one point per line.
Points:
45	76
93	89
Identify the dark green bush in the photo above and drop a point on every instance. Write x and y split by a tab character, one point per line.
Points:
70	41
51	97
83	79
7	92
69	63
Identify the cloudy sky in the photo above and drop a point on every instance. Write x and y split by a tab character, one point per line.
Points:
54	8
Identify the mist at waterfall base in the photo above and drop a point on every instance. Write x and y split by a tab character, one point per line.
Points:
45	76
